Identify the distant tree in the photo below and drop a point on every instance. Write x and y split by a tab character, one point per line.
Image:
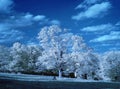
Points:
45	62
24	57
73	63
111	65
34	51
89	66
78	47
5	58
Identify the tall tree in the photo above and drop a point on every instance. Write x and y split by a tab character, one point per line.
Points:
55	45
78	47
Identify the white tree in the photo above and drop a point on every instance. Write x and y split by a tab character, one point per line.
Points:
89	67
24	57
46	61
111	65
5	58
33	52
73	63
55	45
78	47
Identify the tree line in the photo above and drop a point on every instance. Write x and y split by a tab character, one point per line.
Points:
60	53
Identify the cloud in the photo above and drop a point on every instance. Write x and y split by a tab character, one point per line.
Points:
87	3
103	27
55	22
110	44
28	19
13	25
8	36
27	16
93	11
118	23
16	22
6	6
4	26
114	49
114	35
20	22
105	44
39	17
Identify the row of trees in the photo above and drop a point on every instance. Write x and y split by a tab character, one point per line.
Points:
60	53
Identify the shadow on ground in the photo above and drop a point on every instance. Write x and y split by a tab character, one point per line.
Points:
17	84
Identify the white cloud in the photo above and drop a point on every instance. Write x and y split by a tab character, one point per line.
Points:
114	35
21	21
55	22
103	27
28	16
4	26
114	49
5	6
118	23
7	34
86	3
94	11
105	44
17	21
39	18
24	20
10	36
91	1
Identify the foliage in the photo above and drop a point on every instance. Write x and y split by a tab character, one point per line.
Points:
60	53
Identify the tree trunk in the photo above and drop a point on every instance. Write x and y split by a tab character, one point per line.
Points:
60	73
75	74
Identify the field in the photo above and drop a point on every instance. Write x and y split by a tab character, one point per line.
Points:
20	81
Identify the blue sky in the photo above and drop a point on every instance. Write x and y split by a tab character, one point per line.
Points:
98	21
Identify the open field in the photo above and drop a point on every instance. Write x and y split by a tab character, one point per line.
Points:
19	81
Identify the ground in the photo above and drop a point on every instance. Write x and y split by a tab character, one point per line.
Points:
23	81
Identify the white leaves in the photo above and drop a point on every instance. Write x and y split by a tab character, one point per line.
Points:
110	65
42	35
59	47
53	30
78	43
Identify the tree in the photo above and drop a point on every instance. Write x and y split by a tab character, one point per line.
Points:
78	47
55	45
73	63
33	53
5	58
24	57
89	67
111	65
77	50
45	62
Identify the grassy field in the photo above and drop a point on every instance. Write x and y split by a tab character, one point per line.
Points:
13	82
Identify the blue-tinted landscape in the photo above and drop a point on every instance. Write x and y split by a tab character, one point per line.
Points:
59	44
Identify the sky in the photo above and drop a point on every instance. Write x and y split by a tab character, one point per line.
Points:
97	21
